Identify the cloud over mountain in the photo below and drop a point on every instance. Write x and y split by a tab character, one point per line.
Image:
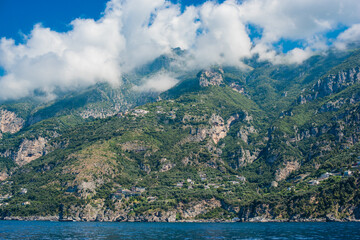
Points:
132	33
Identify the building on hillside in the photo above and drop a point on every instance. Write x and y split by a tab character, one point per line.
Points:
325	176
23	191
151	199
314	182
241	178
140	189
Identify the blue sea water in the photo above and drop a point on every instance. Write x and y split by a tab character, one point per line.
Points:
158	231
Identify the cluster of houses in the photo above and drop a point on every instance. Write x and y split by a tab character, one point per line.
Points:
125	193
139	112
181	184
8	196
5	197
214	185
240	179
23	190
326	175
7	183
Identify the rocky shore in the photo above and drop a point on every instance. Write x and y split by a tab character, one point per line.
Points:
145	219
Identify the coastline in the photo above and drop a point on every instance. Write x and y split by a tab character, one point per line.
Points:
251	220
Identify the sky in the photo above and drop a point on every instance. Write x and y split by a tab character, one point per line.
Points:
18	17
71	44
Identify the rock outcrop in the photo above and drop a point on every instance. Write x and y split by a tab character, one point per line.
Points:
121	213
212	77
197	135
237	88
3	175
30	150
218	129
330	84
199	208
336	82
332	106
245	131
288	168
166	165
10	122
246	157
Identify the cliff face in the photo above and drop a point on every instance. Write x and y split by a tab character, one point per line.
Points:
213	77
288	168
219	128
30	150
10	122
183	212
336	82
333	126
331	84
3	176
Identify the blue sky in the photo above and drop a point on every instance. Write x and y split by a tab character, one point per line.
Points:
17	17
79	43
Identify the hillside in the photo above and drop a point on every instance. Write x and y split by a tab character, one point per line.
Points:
263	143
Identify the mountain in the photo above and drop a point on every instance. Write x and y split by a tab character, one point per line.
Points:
32	122
260	143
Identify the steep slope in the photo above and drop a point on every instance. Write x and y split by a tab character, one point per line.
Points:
267	142
24	125
27	126
151	147
325	118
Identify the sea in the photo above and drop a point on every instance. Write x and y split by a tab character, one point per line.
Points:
158	231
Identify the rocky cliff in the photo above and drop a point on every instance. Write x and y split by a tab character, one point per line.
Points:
183	212
30	150
331	84
10	122
212	77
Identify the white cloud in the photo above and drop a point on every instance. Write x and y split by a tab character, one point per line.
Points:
159	82
224	39
134	32
351	35
49	60
299	19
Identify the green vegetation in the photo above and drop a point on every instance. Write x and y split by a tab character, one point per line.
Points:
244	149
